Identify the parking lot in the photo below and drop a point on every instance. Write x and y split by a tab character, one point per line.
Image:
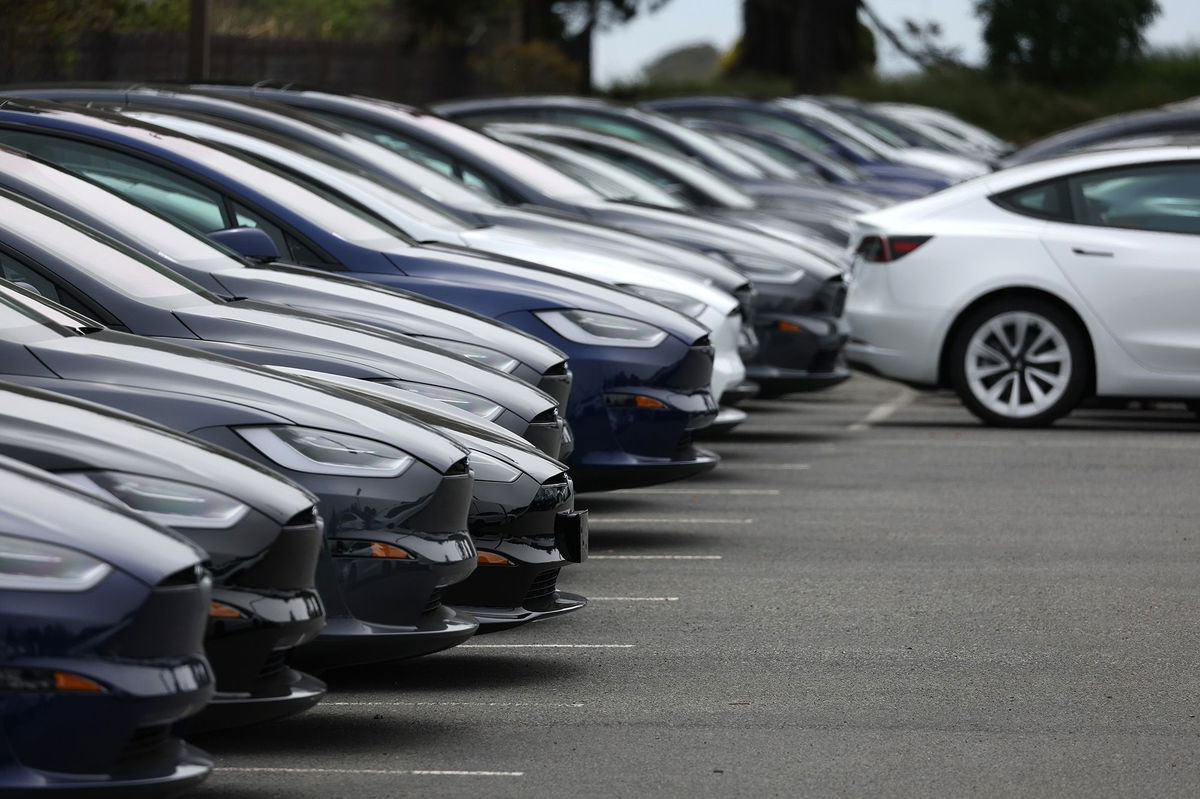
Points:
872	596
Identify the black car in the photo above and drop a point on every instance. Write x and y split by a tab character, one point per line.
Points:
394	494
102	279
102	618
522	518
261	533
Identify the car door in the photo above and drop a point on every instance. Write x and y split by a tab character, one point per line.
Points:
1132	251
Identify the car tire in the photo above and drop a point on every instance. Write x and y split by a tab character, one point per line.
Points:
1019	362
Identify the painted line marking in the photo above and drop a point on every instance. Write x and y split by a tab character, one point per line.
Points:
450	704
380	771
771	466
764	492
655	557
635	598
545	646
663	520
884	410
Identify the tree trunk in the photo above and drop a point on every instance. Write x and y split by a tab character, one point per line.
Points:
813	43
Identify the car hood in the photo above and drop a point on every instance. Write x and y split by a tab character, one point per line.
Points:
41	507
391	309
283	336
464	428
598	265
190	390
532	287
73	435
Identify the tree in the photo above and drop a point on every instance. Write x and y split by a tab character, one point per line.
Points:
1064	42
813	43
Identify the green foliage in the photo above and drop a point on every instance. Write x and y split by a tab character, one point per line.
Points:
1063	42
1021	111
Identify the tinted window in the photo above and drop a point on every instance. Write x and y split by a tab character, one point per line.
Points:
17	272
1043	200
1159	197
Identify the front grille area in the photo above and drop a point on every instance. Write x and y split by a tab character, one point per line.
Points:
824	361
434	603
275	663
542	590
144	743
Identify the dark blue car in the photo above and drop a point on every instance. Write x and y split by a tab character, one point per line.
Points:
101	644
641	370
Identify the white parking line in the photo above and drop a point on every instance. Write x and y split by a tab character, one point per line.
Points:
634	598
545	646
450	704
758	466
380	771
655	557
765	492
884	410
663	520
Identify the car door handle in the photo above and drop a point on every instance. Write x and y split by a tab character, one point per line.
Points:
1094	253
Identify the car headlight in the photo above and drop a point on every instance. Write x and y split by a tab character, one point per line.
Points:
27	565
768	270
601	329
491	469
305	449
688	306
484	355
472	403
167	502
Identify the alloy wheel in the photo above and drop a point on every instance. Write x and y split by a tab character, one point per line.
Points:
1018	364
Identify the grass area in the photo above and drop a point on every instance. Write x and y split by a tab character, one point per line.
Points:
1014	110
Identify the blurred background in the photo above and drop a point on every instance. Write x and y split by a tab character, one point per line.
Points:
1020	68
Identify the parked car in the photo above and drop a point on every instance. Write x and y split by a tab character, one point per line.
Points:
261	534
100	278
796	310
621	346
700	190
655	130
805	157
103	627
1154	121
982	142
394	494
1080	282
225	273
814	132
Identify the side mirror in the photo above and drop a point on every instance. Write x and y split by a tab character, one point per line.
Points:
251	242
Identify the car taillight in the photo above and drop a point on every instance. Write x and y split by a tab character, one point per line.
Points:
882	249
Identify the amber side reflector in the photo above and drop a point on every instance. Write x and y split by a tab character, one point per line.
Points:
64	681
493	559
789	327
379	550
219	610
648	402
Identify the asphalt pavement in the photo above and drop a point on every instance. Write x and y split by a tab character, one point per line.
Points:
872	596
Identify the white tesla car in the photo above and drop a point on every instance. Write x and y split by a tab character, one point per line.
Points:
1029	289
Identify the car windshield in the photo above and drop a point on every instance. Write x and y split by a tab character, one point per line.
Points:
824	161
840	129
773	166
708	150
521	166
137	179
149	230
121	269
20	310
314	169
613	182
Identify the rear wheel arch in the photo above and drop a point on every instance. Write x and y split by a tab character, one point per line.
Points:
1014	293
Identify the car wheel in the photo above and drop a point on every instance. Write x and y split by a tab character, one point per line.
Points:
1019	363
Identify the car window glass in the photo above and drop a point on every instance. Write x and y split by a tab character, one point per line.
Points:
1158	197
19	310
1046	200
244	217
182	200
13	270
611	125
